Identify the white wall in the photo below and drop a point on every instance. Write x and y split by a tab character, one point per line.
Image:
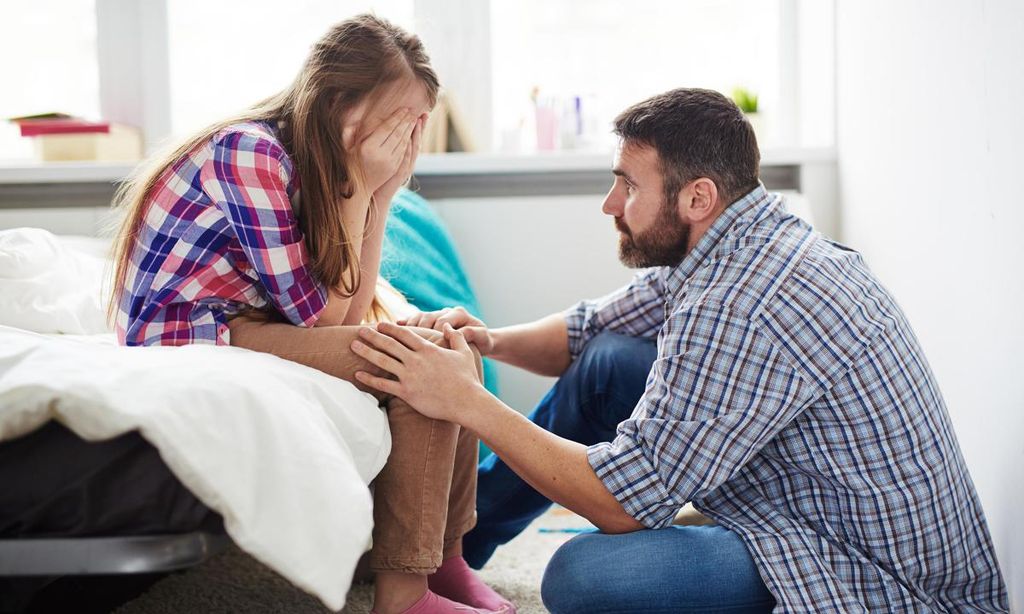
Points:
529	257
929	131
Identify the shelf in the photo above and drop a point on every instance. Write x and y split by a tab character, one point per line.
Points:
437	176
427	165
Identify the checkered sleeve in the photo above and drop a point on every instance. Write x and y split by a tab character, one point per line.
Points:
637	309
719	391
247	177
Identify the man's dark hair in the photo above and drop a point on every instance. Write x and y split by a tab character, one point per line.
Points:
697	133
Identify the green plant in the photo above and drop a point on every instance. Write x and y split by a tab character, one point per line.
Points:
745	99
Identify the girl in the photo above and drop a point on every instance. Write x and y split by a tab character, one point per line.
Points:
264	231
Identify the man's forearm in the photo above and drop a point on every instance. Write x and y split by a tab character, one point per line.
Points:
541	347
555	467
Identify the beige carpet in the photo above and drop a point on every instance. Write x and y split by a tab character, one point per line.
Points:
234	582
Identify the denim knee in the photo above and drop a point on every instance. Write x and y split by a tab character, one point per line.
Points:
570	575
613	367
562	578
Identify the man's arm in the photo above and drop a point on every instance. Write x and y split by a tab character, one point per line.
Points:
558	468
541	347
555	467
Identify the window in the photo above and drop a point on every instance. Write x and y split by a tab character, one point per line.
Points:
612	54
227	55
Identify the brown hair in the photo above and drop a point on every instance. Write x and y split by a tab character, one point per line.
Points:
348	65
697	133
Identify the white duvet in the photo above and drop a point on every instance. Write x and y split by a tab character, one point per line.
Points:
283	452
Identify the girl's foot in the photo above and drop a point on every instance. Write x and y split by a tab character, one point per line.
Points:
432	603
455	580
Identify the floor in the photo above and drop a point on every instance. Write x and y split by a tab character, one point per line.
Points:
234	582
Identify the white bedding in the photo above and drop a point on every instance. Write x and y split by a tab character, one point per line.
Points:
283	452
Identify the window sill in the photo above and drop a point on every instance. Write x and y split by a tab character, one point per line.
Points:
455	175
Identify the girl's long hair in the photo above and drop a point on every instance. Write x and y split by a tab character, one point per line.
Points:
348	65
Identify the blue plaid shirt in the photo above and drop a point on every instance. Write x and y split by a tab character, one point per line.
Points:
792	404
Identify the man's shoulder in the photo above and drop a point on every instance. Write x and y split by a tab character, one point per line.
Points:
752	265
790	282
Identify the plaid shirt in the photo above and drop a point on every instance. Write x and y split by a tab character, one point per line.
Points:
219	236
791	403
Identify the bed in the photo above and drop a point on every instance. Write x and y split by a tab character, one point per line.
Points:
283	453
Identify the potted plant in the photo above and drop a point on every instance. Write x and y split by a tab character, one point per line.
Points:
746	100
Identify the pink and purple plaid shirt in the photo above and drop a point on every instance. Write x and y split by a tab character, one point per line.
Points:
219	236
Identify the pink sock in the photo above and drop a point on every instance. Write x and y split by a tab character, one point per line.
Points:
432	603
455	580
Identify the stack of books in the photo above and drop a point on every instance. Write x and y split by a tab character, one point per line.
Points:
60	137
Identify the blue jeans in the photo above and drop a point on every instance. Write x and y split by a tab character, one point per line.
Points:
668	570
677	569
598	390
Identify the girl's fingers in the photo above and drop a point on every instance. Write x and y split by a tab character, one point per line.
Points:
428	319
383	132
387	386
399	133
403	139
376	357
417	133
455	339
383	343
409	339
407	163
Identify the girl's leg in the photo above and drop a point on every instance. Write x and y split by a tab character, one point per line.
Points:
411	492
454	579
462	496
325	348
431	471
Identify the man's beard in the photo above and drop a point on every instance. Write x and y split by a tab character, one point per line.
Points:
663	244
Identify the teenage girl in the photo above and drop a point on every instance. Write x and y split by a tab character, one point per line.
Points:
264	231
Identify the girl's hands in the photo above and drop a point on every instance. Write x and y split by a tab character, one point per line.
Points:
473	329
386	150
387	191
437	382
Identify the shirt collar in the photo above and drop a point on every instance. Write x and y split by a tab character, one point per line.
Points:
734	218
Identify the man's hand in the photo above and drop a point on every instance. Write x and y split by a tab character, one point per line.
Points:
443	384
473	329
437	382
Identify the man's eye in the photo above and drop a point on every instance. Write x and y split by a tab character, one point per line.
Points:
629	188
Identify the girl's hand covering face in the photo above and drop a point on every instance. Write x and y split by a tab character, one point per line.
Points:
435	381
387	149
386	192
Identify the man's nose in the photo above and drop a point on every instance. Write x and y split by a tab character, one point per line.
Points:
612	204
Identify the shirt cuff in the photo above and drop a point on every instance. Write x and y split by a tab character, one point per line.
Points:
633	481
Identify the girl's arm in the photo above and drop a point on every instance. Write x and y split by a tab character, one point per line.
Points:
387	155
373	242
354	215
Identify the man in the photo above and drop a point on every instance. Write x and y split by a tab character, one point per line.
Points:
788	400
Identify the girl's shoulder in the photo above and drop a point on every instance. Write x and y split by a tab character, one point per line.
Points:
251	137
248	134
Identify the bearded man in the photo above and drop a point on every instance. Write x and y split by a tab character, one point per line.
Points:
754	369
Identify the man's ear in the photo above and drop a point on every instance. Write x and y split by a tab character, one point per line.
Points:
698	200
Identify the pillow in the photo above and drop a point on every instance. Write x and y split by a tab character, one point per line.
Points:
420	261
52	285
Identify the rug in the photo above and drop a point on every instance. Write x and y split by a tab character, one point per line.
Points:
233	582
